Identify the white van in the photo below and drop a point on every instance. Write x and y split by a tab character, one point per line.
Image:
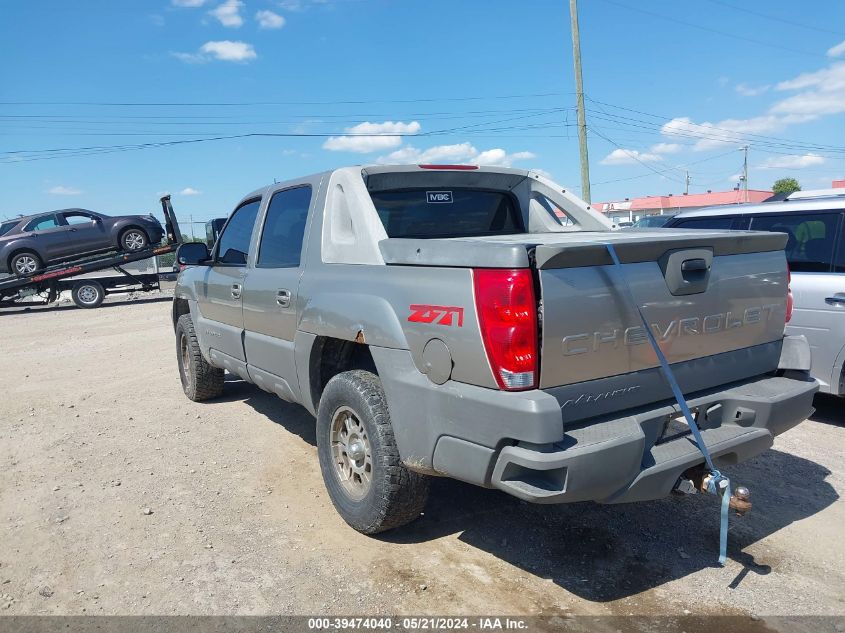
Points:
815	223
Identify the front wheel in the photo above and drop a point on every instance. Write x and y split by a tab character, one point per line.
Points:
368	484
200	381
132	240
88	294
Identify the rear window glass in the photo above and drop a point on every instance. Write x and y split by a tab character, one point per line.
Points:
429	213
812	238
8	226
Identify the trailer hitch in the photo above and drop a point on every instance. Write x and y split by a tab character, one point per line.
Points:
697	480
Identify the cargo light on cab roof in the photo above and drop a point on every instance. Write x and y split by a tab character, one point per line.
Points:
457	167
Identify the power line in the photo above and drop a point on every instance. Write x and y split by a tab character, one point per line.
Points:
711	30
280	103
791	22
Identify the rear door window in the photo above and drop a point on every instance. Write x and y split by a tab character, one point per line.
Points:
705	223
433	213
839	264
43	223
233	245
811	238
281	239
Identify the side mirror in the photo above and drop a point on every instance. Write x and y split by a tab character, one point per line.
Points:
193	254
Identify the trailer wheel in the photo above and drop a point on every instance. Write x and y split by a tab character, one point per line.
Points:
25	263
368	484
88	294
200	381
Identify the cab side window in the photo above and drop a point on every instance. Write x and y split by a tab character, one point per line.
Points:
811	238
284	228
233	245
74	217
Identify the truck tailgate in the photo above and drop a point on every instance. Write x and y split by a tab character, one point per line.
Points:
703	293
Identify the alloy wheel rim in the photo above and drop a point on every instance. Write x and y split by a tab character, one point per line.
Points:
25	265
133	240
185	357
351	453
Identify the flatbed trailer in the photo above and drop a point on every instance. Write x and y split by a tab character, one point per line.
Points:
48	283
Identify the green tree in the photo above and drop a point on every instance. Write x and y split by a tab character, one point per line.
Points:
786	185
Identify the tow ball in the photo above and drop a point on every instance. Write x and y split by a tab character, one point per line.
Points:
697	480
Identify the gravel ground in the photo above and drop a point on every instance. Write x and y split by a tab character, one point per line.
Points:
120	496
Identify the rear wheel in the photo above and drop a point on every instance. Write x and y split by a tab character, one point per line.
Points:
200	381
88	294
368	484
133	239
25	263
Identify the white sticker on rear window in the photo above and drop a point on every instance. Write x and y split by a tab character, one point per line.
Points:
438	197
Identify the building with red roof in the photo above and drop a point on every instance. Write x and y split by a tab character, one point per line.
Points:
634	208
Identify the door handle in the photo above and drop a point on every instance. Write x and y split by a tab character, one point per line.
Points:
283	298
236	291
837	299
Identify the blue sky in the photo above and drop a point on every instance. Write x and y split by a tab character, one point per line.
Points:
126	89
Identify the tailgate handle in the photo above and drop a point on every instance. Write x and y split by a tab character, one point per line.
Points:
687	271
694	265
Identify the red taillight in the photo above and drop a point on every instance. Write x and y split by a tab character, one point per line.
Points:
457	167
790	302
507	313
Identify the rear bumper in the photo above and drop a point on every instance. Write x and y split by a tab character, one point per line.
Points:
519	442
620	460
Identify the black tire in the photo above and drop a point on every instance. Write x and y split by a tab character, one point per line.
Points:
134	239
88	294
395	495
21	263
200	381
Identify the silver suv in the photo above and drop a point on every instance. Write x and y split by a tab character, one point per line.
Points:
815	224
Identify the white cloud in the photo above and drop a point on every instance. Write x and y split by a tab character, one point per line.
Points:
836	51
61	190
666	148
500	158
187	3
371	137
300	5
722	132
269	20
190	191
457	154
823	93
224	50
228	13
751	91
793	161
629	157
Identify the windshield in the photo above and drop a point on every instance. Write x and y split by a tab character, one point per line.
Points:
8	226
426	213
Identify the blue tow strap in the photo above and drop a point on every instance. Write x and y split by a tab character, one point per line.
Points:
718	483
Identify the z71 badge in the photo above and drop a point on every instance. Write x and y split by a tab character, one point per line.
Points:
439	315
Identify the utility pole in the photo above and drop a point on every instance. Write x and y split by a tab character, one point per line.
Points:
745	173
686	186
191	222
579	96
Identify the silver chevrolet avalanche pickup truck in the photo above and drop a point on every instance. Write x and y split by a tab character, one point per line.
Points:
470	322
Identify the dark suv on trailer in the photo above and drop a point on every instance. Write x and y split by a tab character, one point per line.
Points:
29	243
